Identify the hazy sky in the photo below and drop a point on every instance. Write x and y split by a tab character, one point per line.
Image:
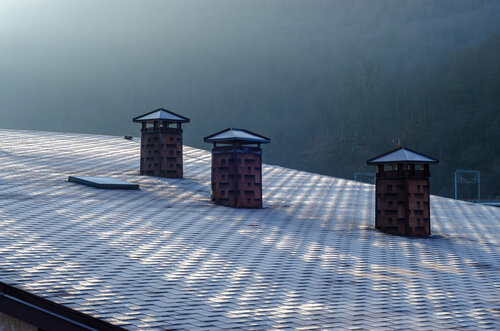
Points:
91	66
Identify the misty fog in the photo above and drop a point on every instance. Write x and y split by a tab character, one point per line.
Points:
332	83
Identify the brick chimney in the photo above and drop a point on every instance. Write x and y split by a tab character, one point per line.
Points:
237	168
161	143
402	192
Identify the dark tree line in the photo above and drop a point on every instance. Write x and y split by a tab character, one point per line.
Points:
450	111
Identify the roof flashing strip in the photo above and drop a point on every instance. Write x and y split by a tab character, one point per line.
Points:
46	314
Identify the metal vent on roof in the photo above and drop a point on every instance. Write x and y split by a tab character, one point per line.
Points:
103	182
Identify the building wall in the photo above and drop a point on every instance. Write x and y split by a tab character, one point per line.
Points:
9	323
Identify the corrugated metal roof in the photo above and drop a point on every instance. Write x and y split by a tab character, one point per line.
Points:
161	114
166	257
236	135
402	155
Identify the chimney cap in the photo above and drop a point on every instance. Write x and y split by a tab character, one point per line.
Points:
232	135
402	155
161	114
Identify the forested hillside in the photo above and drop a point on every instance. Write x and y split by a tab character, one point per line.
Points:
332	82
450	111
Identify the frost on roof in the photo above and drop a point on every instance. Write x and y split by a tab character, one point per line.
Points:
166	257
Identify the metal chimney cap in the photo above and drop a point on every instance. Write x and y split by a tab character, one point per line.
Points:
232	135
161	114
402	155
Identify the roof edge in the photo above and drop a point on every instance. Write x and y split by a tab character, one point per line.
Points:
47	314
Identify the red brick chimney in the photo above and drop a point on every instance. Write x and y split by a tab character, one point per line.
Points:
161	143
402	192
237	168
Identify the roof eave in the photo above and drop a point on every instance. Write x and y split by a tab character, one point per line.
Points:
47	314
